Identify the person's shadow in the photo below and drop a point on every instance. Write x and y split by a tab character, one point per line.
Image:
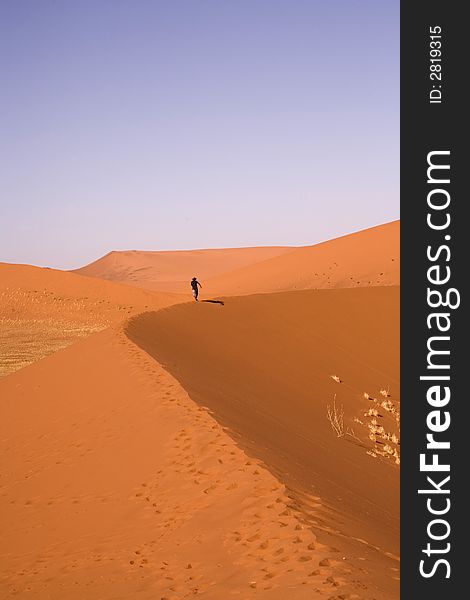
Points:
214	301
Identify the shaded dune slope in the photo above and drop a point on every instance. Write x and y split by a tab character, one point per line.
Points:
263	365
362	259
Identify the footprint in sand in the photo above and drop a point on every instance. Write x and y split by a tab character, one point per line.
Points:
269	576
283	559
305	558
331	581
311	546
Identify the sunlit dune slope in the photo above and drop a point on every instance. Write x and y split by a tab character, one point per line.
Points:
42	310
264	365
365	258
116	485
172	270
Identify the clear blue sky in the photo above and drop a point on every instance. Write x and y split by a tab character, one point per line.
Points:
174	124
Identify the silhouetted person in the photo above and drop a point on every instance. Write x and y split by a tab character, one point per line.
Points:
194	284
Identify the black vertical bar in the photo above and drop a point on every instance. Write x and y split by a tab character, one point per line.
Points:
433	119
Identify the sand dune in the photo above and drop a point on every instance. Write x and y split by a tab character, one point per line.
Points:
365	258
264	365
218	473
43	310
172	271
116	485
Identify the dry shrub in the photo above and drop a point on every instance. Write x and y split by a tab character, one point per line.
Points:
386	443
336	418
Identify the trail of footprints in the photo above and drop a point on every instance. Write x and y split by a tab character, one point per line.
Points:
269	547
208	468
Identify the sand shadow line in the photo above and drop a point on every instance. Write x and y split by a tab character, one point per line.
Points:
214	302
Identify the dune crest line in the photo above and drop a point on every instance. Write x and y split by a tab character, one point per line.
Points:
263	366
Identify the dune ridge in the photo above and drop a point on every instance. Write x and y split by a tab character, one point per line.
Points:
187	451
369	257
119	485
362	259
266	366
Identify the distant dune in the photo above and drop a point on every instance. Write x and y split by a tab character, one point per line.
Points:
365	258
171	271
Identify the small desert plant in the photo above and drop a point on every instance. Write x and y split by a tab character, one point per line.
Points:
388	406
350	431
336	418
386	444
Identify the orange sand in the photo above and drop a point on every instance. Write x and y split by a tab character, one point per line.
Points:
117	484
366	258
264	363
44	310
172	271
